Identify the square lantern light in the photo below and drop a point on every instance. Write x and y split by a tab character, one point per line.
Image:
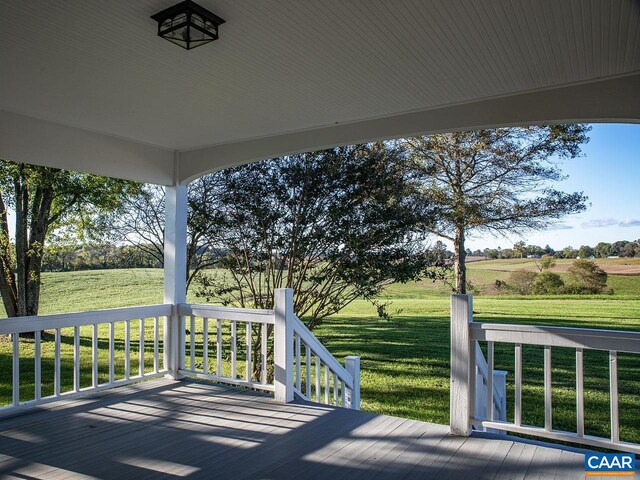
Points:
188	25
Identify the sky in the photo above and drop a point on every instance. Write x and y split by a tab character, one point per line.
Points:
608	172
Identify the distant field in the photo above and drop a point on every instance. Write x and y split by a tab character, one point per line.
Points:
405	361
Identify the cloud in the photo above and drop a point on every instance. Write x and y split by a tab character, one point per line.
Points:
600	223
630	222
560	226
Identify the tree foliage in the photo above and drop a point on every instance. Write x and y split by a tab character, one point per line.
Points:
586	277
333	225
45	199
497	180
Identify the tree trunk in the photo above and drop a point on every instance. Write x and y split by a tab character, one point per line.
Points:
22	212
7	279
460	261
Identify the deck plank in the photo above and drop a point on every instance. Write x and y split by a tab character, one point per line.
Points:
168	429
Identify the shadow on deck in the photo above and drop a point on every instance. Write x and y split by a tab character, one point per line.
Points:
168	429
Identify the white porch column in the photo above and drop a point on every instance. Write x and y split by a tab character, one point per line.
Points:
283	345
175	274
463	366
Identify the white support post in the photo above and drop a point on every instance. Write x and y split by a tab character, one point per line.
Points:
352	399
461	399
175	273
283	345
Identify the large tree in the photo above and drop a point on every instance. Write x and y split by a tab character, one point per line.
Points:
43	199
333	225
497	181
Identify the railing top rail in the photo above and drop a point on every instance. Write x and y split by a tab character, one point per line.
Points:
253	315
326	357
589	338
77	319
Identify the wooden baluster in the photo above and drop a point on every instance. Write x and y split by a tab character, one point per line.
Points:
335	389
112	359
127	349
141	358
56	367
94	356
263	347
327	385
579	393
490	361
548	425
205	345
156	335
298	354
613	396
192	340
38	365
16	368
219	348
318	377
234	344
307	355
343	394
247	338
76	359
518	400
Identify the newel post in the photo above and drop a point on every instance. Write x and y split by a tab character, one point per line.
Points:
461	401
352	397
283	345
175	274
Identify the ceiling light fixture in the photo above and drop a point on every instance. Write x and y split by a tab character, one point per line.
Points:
187	24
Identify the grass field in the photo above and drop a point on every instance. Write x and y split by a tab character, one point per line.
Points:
405	361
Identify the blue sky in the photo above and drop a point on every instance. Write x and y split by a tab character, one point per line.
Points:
609	174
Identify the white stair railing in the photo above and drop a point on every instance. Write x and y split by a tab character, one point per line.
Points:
489	391
304	367
89	372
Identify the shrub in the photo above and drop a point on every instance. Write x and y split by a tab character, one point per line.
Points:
548	283
522	282
585	277
546	263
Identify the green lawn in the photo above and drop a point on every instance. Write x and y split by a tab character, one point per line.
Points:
405	361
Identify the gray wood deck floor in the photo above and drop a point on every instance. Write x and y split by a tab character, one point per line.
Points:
167	429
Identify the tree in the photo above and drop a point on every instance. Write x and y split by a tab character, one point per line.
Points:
333	225
586	277
519	249
44	199
603	250
522	282
546	263
142	223
569	252
585	251
548	283
497	181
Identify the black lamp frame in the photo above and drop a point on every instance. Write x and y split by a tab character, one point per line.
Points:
188	8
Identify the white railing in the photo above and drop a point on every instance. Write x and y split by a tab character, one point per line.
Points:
90	371
270	350
318	376
466	334
78	353
216	349
489	389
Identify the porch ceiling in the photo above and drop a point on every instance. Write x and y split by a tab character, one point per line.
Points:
87	84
